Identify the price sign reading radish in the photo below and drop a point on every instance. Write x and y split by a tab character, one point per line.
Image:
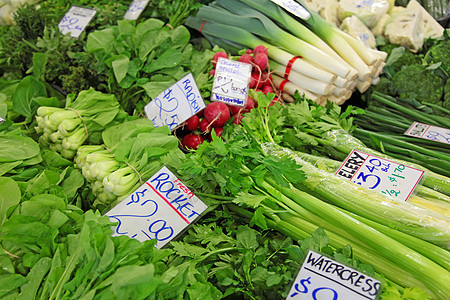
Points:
231	81
75	20
176	104
135	9
294	8
160	209
429	132
323	278
379	174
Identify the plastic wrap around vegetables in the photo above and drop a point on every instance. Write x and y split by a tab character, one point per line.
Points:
65	129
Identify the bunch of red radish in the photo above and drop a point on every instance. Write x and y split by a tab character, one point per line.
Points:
216	114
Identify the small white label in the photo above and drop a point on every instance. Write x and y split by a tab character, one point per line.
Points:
390	178
160	209
75	20
294	8
429	132
2	120
231	81
135	9
176	104
323	278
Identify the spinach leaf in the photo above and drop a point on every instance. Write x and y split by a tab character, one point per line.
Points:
9	196
28	89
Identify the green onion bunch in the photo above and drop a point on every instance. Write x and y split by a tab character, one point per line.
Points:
132	152
64	130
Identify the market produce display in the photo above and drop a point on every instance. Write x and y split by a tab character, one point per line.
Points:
316	126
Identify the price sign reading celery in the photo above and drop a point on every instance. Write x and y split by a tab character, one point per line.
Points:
231	81
160	209
379	174
75	20
429	132
294	8
176	104
135	9
323	278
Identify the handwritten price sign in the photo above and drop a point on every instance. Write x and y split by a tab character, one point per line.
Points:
323	278
375	173
231	81
160	209
176	104
294	8
135	9
75	20
429	132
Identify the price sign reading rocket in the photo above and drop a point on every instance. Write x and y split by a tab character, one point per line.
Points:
160	209
75	20
379	174
323	278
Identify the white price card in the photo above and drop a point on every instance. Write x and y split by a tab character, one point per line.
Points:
390	178
294	8
176	104
429	132
231	81
75	20
135	9
160	209
321	277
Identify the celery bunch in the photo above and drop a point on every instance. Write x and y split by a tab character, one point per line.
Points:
65	129
132	152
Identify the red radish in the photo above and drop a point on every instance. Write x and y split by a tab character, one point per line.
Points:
216	56
255	81
266	78
218	131
192	141
237	119
217	114
212	72
267	89
261	61
204	126
234	109
275	100
192	123
248	51
246	59
249	105
260	49
200	114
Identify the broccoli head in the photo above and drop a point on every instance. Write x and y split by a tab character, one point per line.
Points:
405	59
419	83
446	103
440	52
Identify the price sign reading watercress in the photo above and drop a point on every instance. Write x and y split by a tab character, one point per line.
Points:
135	9
231	81
294	8
160	209
429	132
176	104
75	20
379	174
321	277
